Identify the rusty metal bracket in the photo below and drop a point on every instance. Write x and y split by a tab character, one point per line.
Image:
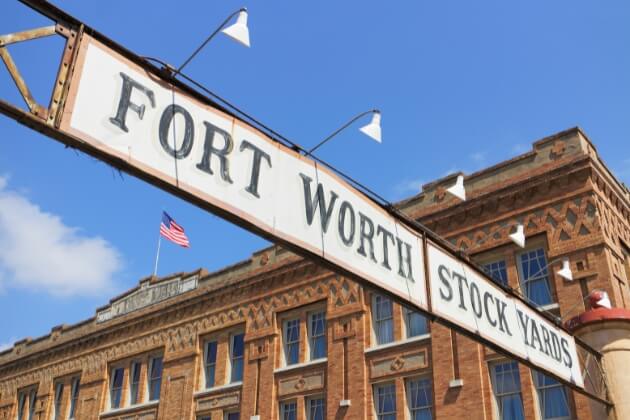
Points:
49	114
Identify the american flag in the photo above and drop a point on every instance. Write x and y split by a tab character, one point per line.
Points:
172	231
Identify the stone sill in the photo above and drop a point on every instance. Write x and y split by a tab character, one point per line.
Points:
301	365
217	389
133	408
393	344
549	307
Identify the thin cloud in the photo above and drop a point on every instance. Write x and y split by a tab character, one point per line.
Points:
478	157
7	345
408	187
39	252
520	148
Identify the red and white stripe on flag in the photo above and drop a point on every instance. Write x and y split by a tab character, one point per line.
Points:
173	232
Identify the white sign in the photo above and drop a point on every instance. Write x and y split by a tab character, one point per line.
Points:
465	297
120	108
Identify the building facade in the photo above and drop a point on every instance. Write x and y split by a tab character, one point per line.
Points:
279	337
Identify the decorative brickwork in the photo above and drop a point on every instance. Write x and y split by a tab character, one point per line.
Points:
568	202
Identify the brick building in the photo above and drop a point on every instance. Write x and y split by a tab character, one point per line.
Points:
279	337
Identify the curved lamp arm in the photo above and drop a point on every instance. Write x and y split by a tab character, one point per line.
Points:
343	127
212	35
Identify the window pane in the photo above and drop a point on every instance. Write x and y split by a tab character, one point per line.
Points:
135	382
292	341
318	335
233	416
288	410
497	271
31	404
116	387
385	399
238	348
316	409
211	362
58	400
552	397
383	320
416	323
506	381
535	277
155	381
420	398
21	403
75	397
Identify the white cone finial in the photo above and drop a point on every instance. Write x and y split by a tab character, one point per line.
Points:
239	31
373	129
518	237
458	189
599	299
565	272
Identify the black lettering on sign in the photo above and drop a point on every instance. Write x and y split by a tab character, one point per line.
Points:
567	359
546	340
536	337
404	261
445	276
555	342
387	235
258	155
221	153
125	104
312	202
366	231
503	324
486	298
344	210
461	279
475	299
189	131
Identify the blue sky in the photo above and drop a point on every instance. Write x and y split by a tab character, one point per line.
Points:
461	85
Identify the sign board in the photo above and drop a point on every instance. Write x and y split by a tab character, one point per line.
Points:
133	118
460	294
124	111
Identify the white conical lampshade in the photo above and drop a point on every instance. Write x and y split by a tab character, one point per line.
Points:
518	237
373	129
458	189
565	272
239	31
599	299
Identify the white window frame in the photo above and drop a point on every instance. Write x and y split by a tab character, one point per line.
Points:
521	275
111	387
409	399
150	376
311	337
32	398
285	343
58	401
206	343
232	337
493	384
282	404
75	383
312	398
375	321
538	388
132	369
406	311
22	396
497	261
375	388
227	414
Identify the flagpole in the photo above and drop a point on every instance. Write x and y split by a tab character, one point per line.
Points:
157	254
